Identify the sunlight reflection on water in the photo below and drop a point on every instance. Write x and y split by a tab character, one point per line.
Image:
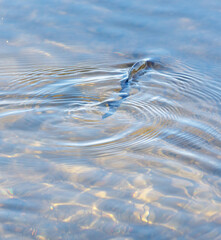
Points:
149	170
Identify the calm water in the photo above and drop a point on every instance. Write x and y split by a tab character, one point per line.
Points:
150	170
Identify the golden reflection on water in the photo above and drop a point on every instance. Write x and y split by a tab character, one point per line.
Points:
149	171
62	179
132	199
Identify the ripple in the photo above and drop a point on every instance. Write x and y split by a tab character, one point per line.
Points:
153	156
66	106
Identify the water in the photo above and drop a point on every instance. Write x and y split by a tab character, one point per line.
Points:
150	169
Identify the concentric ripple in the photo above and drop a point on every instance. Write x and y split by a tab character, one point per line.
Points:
66	105
154	157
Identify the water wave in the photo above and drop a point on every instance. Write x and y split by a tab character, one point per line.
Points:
68	104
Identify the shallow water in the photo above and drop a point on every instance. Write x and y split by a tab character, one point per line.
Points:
150	170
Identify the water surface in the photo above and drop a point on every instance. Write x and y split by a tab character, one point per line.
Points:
150	170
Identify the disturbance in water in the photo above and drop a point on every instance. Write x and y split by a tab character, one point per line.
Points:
136	71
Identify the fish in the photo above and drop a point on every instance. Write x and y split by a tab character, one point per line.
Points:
137	70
